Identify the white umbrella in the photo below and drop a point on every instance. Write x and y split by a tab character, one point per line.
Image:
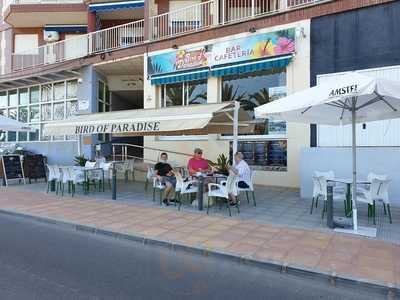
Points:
353	98
7	124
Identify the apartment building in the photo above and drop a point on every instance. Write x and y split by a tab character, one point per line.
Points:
63	58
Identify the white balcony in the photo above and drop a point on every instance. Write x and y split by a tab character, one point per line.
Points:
186	20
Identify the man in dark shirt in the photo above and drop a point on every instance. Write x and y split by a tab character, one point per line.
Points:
166	175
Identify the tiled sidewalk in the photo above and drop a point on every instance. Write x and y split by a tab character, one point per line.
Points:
326	252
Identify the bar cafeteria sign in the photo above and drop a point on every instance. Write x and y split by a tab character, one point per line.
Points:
248	48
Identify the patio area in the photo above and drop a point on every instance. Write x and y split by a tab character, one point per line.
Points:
275	205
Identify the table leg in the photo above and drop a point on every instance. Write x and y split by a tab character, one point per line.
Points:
348	200
52	185
102	172
86	183
200	193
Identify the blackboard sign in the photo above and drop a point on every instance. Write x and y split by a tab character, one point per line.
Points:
34	167
12	168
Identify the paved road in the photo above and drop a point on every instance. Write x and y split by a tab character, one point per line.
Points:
40	261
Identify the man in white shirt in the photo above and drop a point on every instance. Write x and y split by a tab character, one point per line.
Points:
241	169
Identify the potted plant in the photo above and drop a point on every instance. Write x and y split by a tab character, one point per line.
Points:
221	164
80	160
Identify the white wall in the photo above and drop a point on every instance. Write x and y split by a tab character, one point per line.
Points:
379	133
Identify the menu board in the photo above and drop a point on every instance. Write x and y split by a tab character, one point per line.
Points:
34	167
12	168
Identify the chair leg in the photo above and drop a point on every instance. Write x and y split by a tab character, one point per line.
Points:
154	195
178	195
247	197
73	190
160	197
229	207
384	208
254	198
316	202
208	204
390	214
237	205
146	183
324	209
312	205
374	212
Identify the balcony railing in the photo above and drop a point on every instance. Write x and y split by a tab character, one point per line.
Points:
105	40
189	19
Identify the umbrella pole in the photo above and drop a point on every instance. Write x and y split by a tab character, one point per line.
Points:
235	127
354	150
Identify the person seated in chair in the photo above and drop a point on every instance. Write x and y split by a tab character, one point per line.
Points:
165	174
242	170
197	163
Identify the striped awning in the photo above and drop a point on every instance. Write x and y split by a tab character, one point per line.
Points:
252	66
111	6
180	76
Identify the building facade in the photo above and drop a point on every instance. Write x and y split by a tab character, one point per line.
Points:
61	58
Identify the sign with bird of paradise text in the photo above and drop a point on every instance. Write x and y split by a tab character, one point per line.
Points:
247	48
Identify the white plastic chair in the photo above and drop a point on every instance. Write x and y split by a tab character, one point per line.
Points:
54	174
90	164
183	187
158	185
249	189
320	185
378	191
107	171
72	177
149	176
222	190
95	176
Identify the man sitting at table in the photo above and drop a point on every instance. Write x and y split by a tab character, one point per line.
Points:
197	163
165	174
242	170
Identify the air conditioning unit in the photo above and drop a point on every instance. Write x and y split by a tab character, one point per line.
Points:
51	36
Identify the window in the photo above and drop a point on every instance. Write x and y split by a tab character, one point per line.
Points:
23	114
26	44
23	97
3	99
59	91
254	89
13	98
186	93
265	155
34	94
72	88
47	93
37	105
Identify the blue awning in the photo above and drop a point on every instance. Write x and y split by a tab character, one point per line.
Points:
66	28
111	6
253	66
180	77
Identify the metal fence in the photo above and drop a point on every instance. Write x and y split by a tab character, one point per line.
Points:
188	19
105	40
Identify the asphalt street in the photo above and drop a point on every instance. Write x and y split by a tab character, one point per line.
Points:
44	261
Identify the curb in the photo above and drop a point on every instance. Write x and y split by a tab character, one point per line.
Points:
390	290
